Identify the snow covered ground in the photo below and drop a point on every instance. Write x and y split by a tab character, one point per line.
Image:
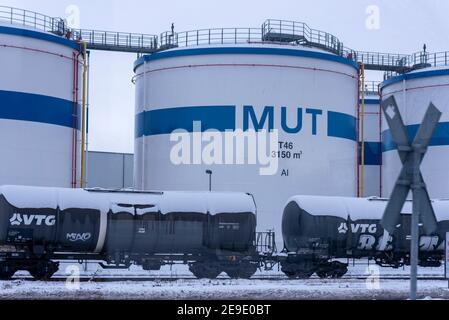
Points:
360	283
222	289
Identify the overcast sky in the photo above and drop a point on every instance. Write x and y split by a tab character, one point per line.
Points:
404	26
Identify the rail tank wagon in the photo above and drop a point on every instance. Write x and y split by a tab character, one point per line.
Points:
219	93
212	232
40	94
414	92
317	230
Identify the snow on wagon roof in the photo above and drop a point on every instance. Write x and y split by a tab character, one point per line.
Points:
359	208
105	200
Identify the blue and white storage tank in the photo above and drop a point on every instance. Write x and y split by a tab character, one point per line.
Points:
414	91
40	84
244	82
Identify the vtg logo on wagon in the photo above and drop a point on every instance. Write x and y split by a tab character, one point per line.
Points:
19	219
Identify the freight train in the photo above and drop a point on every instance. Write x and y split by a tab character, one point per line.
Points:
210	232
317	230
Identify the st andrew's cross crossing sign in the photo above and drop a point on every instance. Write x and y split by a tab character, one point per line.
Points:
411	179
411	155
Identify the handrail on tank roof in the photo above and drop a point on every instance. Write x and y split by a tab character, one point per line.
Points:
38	21
272	31
276	31
421	60
101	40
372	87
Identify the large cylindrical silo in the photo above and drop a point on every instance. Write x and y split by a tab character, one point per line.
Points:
414	92
40	96
308	95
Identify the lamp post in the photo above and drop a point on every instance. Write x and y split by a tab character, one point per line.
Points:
209	172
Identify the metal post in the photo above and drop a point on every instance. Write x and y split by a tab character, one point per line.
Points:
414	250
209	172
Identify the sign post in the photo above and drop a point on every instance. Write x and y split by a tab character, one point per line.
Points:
446	257
411	179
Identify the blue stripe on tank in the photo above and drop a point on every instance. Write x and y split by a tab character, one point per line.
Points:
165	121
37	108
221	118
341	125
439	138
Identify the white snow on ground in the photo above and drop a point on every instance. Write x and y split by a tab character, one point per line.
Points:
356	285
222	289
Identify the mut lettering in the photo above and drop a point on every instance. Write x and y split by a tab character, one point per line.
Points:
357	228
32	219
267	119
79	237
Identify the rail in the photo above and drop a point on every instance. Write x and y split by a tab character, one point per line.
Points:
266	243
210	37
300	33
272	31
96	40
372	87
384	61
115	41
426	59
32	19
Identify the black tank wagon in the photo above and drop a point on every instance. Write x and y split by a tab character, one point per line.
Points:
211	232
319	230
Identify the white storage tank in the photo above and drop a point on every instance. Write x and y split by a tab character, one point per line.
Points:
40	95
307	94
414	92
373	148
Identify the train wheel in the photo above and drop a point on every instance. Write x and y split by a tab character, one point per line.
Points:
298	271
43	271
242	271
334	270
205	270
305	274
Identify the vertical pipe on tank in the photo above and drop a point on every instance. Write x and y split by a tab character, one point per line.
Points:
380	140
363	132
76	55
83	119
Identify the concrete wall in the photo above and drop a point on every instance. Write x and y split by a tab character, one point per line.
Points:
110	170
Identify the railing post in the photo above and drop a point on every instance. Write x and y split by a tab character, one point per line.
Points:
209	36
197	37
221	36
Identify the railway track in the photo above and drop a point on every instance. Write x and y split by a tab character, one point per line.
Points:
170	278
